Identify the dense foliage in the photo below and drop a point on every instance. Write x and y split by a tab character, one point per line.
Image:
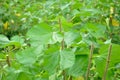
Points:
59	40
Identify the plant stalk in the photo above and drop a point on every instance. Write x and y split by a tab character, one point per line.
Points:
107	62
60	25
70	78
90	61
8	60
62	47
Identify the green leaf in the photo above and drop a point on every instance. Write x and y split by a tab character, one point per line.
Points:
89	39
80	66
18	39
24	76
97	30
11	43
67	59
40	34
27	56
114	57
57	37
70	37
101	60
82	49
66	26
65	6
11	75
51	57
100	69
3	40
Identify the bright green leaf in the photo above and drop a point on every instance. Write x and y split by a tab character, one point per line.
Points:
27	56
67	59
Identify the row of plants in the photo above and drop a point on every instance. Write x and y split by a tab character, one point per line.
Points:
59	40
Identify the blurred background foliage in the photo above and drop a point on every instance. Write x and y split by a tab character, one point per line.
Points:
17	16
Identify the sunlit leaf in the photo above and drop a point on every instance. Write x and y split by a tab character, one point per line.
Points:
40	34
67	59
27	56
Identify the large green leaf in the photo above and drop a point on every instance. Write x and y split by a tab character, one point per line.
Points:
97	30
114	57
27	56
101	60
80	66
40	34
51	59
67	59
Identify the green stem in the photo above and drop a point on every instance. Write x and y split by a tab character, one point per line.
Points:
90	61
107	62
62	47
70	78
